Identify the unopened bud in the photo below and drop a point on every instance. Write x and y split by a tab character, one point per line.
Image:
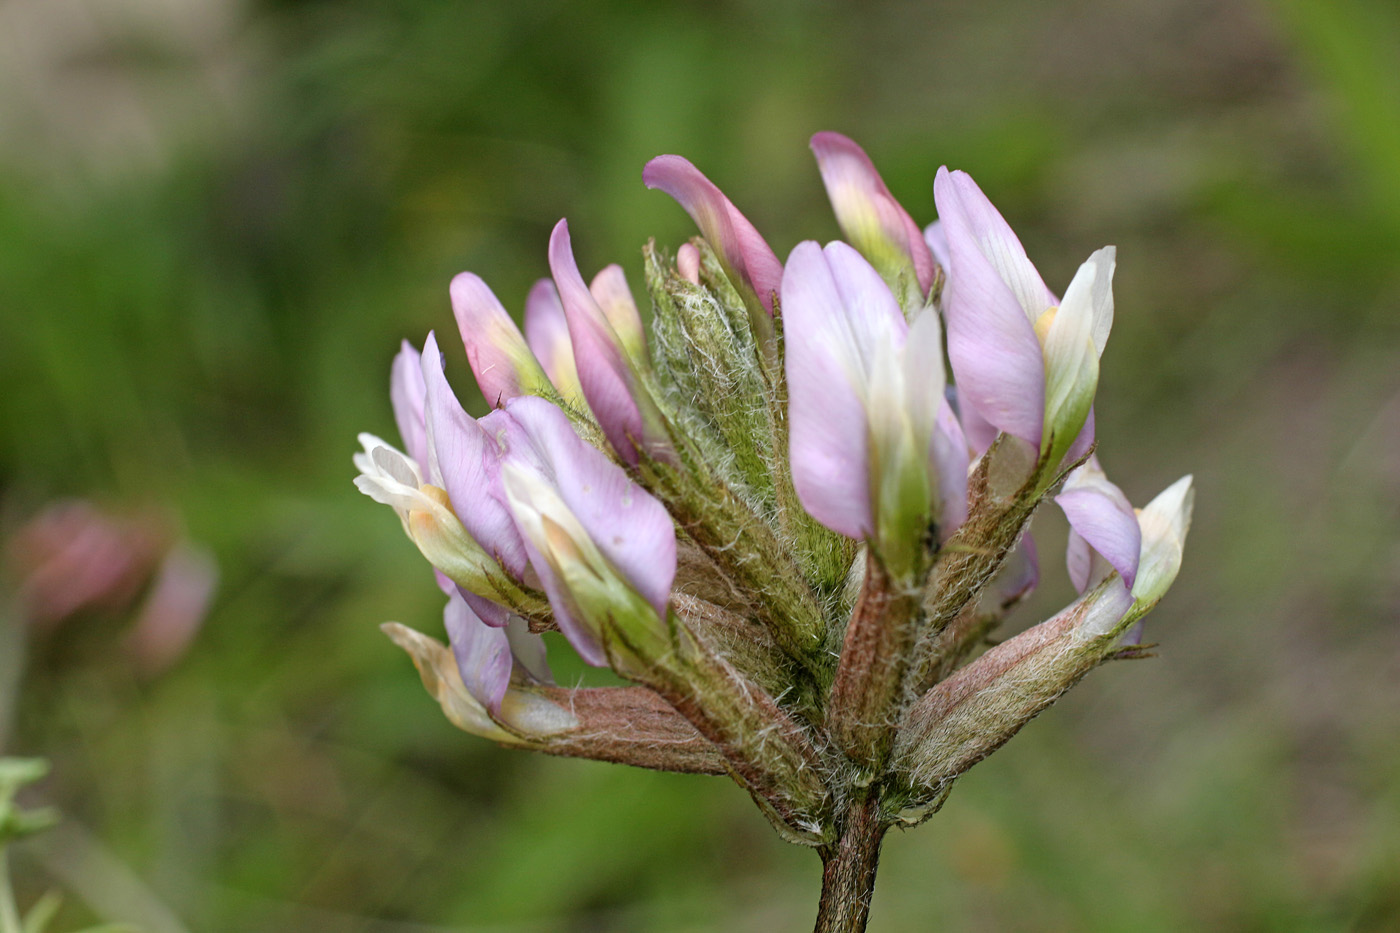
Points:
500	359
872	220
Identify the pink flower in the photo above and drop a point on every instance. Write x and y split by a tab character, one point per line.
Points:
500	359
1025	361
876	452
592	534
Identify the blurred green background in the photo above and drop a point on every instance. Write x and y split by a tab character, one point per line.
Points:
218	218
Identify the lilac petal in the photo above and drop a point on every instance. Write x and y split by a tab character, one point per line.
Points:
1021	572
872	220
529	650
980	226
980	432
688	263
949	455
1099	513
1082	441
631	528
937	241
444	582
602	369
751	264
609	289
1085	565
500	359
977	431
837	313
482	653
573	631
460	459
406	394
492	614
992	345
547	333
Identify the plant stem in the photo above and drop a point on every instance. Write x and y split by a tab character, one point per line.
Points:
9	911
12	638
848	870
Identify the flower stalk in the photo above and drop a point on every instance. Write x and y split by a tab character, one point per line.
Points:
848	870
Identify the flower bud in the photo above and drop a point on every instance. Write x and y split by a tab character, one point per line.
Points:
1104	533
1026	362
625	411
628	725
488	655
872	220
609	289
709	368
547	333
976	710
500	359
523	716
688	263
750	264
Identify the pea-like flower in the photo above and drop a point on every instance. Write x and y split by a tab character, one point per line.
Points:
1025	361
877	453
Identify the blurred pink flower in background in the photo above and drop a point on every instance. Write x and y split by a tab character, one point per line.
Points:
74	557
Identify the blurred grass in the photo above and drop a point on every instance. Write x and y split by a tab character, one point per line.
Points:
218	222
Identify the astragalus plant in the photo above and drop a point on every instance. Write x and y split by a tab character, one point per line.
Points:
772	511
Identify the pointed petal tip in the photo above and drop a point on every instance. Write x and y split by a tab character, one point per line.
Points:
831	141
661	171
559	241
1179	501
463	281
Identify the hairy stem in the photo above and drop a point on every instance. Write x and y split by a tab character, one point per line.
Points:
848	870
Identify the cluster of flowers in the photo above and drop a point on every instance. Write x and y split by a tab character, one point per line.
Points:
775	516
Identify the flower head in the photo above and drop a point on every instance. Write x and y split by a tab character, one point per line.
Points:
792	537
